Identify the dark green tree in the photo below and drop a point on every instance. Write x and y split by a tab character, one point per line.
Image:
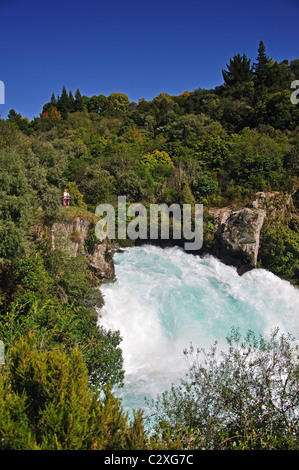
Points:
294	66
260	71
238	71
13	115
79	102
16	206
53	100
63	103
93	104
262	61
71	105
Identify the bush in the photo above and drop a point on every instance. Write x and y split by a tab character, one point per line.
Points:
279	250
46	404
246	400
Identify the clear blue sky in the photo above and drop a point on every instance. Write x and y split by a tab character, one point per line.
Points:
141	48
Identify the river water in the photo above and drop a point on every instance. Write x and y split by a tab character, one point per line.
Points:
165	299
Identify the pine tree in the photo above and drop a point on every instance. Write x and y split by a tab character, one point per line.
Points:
53	100
63	103
79	103
261	72
263	61
71	105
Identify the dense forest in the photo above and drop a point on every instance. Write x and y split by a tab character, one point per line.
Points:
217	147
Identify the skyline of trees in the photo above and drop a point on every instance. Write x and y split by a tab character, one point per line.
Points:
254	82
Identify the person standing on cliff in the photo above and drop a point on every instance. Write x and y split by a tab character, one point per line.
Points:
66	198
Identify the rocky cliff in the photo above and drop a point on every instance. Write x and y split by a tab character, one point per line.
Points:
76	236
235	241
237	232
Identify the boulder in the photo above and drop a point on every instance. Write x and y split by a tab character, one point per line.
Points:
237	232
237	236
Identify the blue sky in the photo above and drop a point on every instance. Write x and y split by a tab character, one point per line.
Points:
140	48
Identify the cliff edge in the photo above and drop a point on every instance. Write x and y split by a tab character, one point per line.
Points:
76	237
237	232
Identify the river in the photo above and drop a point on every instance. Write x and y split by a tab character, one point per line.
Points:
165	299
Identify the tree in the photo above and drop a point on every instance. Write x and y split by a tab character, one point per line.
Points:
262	61
53	100
204	186
256	160
93	104
117	104
277	110
71	102
79	102
130	185
13	115
279	250
245	399
53	113
157	158
63	103
214	152
46	403
16	206
294	66
260	71
239	71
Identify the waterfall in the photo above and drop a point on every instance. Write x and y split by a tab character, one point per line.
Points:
165	299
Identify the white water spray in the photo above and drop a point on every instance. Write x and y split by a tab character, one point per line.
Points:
163	299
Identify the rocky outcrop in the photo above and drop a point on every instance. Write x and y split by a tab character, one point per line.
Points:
237	236
75	237
237	232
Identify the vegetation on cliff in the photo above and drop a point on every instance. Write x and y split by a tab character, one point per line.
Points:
217	147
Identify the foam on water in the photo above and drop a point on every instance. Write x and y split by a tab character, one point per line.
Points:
164	299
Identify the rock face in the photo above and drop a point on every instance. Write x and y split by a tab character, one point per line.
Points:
72	238
236	239
237	234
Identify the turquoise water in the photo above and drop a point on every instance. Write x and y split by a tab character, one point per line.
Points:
165	299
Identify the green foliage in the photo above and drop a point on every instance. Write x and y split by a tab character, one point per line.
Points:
156	159
16	206
213	151
204	186
55	297
46	404
130	185
262	61
244	399
279	250
276	110
257	160
239	71
117	103
77	197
